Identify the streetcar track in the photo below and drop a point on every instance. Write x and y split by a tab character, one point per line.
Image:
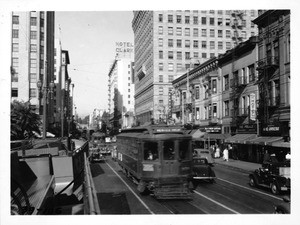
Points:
140	200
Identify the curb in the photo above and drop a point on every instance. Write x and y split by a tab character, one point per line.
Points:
235	167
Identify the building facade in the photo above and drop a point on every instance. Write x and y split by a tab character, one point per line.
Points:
121	93
167	43
32	62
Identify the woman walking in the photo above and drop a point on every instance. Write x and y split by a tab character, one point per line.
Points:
225	154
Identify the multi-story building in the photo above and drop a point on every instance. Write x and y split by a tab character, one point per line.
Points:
274	75
121	93
32	61
167	43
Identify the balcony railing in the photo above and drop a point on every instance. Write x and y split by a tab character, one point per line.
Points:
239	112
268	62
274	101
238	82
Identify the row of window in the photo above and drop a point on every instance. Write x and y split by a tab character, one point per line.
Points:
32	92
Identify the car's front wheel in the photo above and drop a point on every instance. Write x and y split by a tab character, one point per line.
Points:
274	188
252	182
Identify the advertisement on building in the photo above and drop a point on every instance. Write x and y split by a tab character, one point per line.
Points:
124	49
252	107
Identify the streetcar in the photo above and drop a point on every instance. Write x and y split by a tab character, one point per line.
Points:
158	158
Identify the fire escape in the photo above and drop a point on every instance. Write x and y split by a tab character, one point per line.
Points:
237	83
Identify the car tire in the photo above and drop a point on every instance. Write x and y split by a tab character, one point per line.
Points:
274	188
252	182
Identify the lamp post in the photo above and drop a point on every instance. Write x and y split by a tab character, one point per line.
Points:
44	91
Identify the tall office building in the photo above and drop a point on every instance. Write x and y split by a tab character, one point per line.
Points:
167	43
32	60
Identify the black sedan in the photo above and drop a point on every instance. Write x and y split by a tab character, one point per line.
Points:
202	170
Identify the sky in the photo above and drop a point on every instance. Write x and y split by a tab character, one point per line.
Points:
91	45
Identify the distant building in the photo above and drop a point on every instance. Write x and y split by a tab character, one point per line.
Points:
167	43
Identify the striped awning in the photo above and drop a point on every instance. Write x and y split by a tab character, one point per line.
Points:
264	140
240	138
281	144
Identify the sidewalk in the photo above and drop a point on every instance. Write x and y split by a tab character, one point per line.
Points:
238	164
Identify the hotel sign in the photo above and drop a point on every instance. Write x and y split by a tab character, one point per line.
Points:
252	107
124	47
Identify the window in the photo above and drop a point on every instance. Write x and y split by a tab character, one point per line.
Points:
160	78
195	44
32	34
170	30
160	30
15	33
15	47
32	63
203	20
226	108
204	55
251	70
244	24
197	113
169	150
212	45
211	21
214	111
226	82
160	90
32	77
220	45
170	67
220	33
170	78
244	34
183	150
197	92
32	21
187	20
195	19
220	21
178	31
187	31
170	43
160	66
15	62
212	33
170	54
160	42
212	55
252	12
160	17
195	32
15	19
14	92
33	48
196	55
203	32
170	18
252	34
150	150
212	11
179	55
227	22
203	44
187	43
178	18
32	93
160	102
220	12
228	45
161	54
179	67
179	43
187	55
252	24
228	34
214	86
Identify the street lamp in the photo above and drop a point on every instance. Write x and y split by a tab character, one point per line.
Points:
44	91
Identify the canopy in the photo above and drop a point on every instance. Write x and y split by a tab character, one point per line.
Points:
240	138
216	136
264	140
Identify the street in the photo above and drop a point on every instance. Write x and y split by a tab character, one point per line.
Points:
230	194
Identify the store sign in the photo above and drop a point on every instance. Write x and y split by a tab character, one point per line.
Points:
247	128
252	107
212	129
271	130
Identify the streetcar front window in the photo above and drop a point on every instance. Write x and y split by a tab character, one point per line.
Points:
169	150
150	151
184	150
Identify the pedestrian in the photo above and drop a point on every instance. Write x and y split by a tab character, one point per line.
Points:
217	153
267	157
225	154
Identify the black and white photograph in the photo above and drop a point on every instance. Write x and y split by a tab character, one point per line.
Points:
149	114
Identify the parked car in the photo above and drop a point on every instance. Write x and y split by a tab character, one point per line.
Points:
97	157
205	153
275	176
284	207
201	170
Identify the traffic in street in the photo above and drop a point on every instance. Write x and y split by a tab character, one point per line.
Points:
229	194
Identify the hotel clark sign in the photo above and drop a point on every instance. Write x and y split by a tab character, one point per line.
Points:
124	47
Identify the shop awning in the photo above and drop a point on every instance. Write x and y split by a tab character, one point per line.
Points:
281	144
264	140
198	134
213	136
240	138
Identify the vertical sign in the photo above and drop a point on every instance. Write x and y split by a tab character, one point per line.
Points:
252	107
